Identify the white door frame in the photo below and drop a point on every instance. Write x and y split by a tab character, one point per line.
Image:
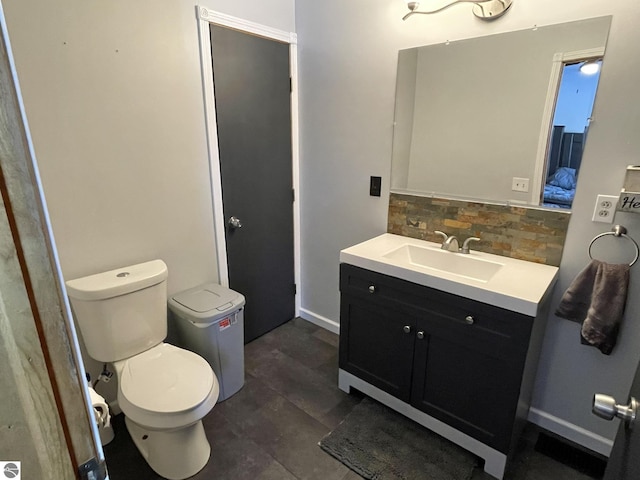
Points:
559	60
206	17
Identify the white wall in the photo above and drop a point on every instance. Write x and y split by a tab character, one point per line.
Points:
113	95
348	53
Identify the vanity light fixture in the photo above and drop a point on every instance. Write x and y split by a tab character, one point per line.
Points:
486	10
590	67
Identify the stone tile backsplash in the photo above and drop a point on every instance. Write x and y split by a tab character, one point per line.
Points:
531	234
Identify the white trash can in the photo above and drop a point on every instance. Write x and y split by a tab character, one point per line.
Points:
209	320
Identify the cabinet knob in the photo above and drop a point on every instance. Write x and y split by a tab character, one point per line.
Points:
406	329
372	289
420	335
469	320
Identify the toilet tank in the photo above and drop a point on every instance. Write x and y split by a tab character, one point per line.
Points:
121	312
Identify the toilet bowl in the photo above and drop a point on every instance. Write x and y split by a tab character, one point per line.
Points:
164	391
166	387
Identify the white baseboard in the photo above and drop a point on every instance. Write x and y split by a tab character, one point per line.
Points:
574	433
320	321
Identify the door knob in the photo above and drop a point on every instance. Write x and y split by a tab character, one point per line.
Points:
235	222
605	407
420	335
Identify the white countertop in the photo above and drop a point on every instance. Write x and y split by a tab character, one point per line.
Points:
518	285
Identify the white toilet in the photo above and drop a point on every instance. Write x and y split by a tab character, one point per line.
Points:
163	391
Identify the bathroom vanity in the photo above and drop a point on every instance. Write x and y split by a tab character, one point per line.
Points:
450	340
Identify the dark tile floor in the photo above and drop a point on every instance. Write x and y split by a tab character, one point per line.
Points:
271	428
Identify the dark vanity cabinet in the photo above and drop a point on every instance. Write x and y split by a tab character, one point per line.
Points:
465	363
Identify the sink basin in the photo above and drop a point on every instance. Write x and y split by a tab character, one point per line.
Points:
454	263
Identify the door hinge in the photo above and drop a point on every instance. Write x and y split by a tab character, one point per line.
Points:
290	85
293	195
295	289
93	470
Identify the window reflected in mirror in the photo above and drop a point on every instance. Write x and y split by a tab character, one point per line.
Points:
574	104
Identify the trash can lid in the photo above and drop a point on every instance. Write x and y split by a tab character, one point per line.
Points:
211	298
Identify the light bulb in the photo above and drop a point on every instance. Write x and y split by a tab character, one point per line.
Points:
591	67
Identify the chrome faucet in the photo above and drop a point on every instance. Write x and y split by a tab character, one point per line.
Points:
465	246
449	243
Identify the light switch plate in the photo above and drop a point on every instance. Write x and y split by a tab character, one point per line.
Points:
375	186
605	209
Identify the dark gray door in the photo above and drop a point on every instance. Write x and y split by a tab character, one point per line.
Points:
624	462
253	113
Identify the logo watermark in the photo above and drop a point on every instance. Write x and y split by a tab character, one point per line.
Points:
10	470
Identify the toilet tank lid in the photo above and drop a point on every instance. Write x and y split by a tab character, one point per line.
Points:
117	282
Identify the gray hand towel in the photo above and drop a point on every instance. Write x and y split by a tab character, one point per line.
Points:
597	298
576	300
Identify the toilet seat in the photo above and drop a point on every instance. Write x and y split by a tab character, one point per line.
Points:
166	387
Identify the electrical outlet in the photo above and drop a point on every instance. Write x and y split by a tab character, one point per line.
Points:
605	208
520	184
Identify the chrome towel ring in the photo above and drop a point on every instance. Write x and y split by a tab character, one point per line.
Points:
617	231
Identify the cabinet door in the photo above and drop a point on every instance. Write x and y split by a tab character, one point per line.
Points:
471	382
376	345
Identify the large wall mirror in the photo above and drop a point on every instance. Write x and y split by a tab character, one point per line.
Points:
494	118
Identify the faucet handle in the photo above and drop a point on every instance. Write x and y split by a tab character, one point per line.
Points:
465	245
442	234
